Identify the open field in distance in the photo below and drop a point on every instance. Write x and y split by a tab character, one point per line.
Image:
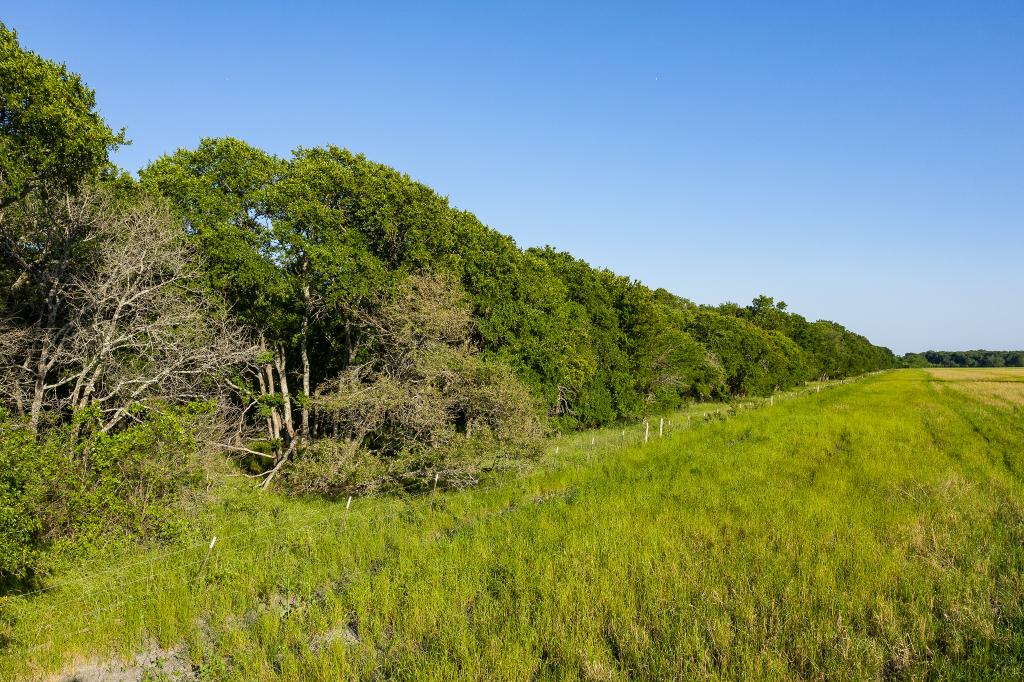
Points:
1003	386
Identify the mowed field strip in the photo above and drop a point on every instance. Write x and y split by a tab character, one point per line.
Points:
872	530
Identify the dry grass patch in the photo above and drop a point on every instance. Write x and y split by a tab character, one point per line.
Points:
995	393
996	386
962	374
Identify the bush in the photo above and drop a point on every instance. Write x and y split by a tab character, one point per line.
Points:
19	525
428	404
76	483
135	481
332	467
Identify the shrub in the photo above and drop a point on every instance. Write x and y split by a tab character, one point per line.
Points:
134	481
19	525
428	404
76	483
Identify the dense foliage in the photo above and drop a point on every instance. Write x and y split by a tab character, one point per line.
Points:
965	358
77	481
341	325
299	245
423	402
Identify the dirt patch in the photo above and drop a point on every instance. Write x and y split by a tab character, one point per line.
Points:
346	634
152	665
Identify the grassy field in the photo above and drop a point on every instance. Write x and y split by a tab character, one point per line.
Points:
870	530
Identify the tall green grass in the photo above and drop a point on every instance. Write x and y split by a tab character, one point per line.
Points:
871	530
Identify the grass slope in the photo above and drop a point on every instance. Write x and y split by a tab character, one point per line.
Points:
872	530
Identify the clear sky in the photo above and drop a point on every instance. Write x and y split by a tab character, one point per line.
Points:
863	161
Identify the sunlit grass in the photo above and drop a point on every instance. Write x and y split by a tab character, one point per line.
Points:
872	529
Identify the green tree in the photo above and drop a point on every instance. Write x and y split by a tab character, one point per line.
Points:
51	136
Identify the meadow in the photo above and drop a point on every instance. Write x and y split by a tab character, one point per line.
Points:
866	530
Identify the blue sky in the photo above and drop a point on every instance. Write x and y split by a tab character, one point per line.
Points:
862	161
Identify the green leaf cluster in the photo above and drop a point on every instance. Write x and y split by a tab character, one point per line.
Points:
50	131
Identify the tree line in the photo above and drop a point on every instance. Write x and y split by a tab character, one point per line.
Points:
964	358
321	322
300	246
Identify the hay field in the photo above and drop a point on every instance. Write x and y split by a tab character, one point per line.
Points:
997	386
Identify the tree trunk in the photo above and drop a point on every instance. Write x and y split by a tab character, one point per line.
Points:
351	346
286	398
275	416
37	404
305	365
43	365
263	392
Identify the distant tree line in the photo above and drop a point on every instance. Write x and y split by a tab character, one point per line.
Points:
964	358
325	321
